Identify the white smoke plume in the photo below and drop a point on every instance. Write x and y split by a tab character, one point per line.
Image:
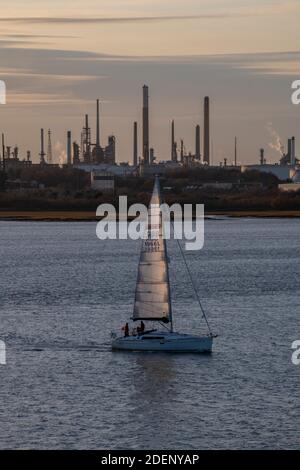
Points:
276	143
61	152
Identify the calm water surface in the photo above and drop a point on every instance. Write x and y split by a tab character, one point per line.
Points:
63	291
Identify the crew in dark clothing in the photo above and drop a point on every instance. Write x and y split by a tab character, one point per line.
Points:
126	330
142	329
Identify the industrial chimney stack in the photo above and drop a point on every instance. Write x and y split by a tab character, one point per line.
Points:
293	151
235	151
197	148
98	127
206	142
3	153
42	153
173	144
69	148
146	125
135	144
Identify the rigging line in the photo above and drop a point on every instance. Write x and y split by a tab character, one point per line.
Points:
165	326
192	281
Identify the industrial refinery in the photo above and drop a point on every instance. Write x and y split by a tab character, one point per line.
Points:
87	152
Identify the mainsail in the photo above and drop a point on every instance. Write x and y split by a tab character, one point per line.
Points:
152	295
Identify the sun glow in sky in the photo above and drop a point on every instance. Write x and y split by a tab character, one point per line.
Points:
58	57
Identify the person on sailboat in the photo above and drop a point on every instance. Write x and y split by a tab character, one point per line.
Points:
126	330
141	329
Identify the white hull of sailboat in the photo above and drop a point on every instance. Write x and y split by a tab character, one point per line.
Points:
162	341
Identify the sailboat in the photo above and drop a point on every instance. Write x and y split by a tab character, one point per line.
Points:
153	297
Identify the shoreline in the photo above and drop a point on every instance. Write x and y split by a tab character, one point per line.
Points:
80	216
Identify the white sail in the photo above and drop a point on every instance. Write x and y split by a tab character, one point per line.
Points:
152	296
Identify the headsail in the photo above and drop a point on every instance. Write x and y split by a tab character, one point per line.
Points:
152	296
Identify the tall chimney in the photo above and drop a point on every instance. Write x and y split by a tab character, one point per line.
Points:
87	125
235	151
197	148
42	154
173	146
69	147
206	131
146	125
289	150
3	151
87	141
98	127
135	144
181	151
293	151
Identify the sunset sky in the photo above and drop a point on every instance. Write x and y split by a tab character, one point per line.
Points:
58	57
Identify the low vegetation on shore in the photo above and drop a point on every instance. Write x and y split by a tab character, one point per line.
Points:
220	190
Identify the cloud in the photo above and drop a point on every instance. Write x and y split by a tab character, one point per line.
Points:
55	88
131	19
237	10
36	36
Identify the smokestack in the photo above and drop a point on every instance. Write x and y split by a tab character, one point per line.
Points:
235	151
42	154
49	148
173	145
146	125
98	127
135	144
262	156
289	150
3	150
206	131
181	151
293	151
69	147
197	148
87	141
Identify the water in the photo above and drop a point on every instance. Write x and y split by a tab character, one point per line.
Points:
63	291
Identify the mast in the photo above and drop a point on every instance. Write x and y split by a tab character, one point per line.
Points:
169	289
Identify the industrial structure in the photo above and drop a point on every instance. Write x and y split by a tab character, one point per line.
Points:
93	152
145	125
49	148
235	151
69	148
282	170
289	158
42	151
89	152
90	155
197	145
206	138
135	144
103	181
173	143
